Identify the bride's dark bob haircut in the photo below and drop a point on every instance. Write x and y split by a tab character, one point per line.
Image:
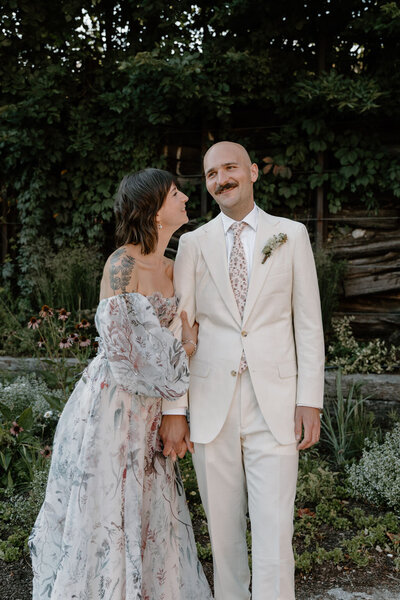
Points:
138	200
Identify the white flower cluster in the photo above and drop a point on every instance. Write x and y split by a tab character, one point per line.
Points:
376	477
28	390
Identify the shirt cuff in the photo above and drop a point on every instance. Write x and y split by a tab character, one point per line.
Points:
175	411
320	408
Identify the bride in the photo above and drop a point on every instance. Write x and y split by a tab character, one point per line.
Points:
114	524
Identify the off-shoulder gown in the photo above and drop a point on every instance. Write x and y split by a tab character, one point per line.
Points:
114	524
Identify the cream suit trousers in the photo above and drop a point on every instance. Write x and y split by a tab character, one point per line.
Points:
245	469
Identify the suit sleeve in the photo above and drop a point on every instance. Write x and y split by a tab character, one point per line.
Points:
184	283
307	324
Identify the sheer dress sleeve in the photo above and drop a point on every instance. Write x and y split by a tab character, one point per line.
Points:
144	358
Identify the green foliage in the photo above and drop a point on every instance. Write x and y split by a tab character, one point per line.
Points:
329	528
27	391
376	477
15	337
346	424
18	513
69	277
352	356
315	480
27	425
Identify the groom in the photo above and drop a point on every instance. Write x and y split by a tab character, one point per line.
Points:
256	380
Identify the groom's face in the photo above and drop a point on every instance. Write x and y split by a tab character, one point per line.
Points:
230	177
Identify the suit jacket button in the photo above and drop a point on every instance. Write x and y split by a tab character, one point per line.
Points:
233	373
244	333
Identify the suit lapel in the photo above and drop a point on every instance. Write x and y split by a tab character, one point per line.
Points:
213	248
266	228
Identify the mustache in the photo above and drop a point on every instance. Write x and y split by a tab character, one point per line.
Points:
222	188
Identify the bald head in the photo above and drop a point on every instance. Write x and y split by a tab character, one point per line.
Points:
230	176
236	150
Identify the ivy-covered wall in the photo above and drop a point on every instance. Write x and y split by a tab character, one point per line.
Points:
91	90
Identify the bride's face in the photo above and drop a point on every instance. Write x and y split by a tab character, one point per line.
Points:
173	213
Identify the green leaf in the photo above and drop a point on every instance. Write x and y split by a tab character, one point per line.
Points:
6	412
25	419
5	459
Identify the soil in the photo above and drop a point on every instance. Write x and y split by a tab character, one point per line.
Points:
16	579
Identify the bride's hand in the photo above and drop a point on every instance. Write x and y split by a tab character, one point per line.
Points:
189	334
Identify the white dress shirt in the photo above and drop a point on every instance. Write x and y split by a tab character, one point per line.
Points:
248	237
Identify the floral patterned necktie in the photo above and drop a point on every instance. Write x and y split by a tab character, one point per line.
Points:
238	276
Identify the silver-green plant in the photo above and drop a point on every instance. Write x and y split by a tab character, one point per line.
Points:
376	476
28	390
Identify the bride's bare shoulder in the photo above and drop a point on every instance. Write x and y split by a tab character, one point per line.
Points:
119	274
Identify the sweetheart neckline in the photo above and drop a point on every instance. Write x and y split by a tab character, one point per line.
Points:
138	294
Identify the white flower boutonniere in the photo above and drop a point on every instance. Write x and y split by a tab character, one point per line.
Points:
272	244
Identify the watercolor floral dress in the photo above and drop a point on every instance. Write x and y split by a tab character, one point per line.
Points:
114	524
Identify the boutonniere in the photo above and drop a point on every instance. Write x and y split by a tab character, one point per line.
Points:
272	244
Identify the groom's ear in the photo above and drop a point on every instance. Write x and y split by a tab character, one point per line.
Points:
254	172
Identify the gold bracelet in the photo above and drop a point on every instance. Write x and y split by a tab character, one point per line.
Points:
190	342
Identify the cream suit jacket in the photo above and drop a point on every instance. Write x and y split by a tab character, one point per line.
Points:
281	333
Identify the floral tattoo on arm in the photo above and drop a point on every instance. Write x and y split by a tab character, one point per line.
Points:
121	267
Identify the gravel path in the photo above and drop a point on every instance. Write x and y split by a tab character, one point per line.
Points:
370	594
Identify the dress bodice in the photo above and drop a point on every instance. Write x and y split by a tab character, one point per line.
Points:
165	308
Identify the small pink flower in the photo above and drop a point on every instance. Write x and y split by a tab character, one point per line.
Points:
34	323
46	311
63	314
73	338
46	452
84	324
16	429
41	342
84	341
65	343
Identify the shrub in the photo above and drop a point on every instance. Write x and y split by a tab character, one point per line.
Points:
352	356
27	426
25	391
376	477
315	481
346	424
15	337
69	277
18	513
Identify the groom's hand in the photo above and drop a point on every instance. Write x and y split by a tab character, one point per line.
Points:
307	422
175	435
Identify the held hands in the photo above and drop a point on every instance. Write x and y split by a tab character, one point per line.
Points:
175	435
189	334
174	430
307	421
